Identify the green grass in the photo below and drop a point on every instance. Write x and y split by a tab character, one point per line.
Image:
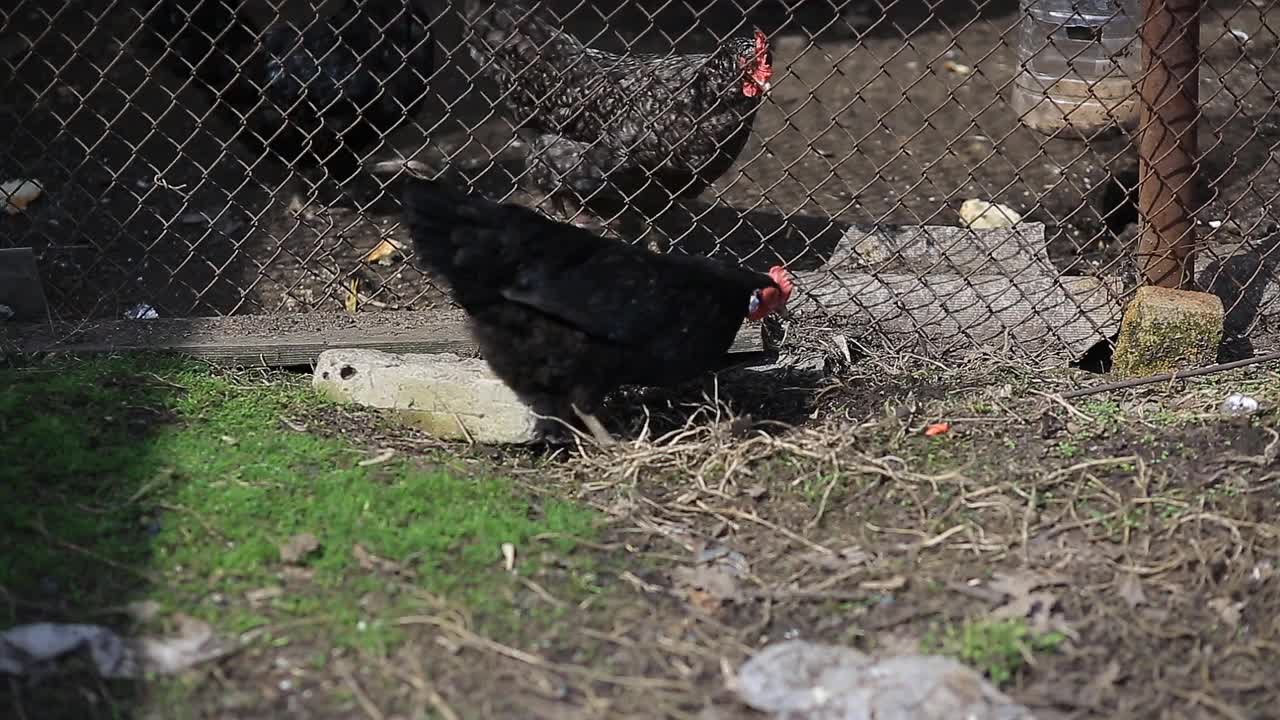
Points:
152	478
997	649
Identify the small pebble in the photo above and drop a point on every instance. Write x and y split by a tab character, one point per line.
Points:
1237	405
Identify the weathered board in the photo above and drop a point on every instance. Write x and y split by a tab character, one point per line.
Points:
952	287
272	340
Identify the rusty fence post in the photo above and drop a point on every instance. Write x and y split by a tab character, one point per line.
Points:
1168	147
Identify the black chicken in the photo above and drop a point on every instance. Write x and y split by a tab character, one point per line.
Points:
680	120
316	98
564	317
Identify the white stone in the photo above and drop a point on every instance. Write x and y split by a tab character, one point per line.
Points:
440	394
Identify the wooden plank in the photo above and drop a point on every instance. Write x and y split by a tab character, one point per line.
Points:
929	249
1039	318
273	340
20	287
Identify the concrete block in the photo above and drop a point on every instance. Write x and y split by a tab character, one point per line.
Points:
439	394
1166	330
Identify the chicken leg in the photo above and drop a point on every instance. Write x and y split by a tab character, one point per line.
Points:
598	433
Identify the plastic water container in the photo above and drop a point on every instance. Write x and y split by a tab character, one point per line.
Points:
1079	60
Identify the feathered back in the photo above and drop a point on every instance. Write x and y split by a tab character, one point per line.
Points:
514	32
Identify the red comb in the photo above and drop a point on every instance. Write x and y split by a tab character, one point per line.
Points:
780	276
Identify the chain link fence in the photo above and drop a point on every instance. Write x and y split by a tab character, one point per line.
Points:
173	181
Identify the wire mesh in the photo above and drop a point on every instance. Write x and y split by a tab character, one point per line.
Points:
181	173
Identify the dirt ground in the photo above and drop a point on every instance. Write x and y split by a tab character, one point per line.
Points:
1138	524
1136	528
866	124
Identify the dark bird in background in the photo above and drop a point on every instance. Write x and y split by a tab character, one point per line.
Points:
679	120
316	98
564	317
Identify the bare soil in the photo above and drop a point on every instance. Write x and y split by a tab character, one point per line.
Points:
1138	524
895	116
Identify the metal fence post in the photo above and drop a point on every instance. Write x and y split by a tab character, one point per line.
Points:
1167	145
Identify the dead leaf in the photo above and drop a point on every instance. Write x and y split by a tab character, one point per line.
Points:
704	601
897	582
385	455
985	215
1101	686
295	573
1227	609
706	587
937	429
1022	583
385	252
1129	587
369	561
229	440
509	557
18	194
756	492
293	550
1025	603
955	67
262	596
844	559
714	579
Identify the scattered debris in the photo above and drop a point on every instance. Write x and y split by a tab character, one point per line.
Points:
1101	686
800	680
1129	588
714	580
351	301
369	561
141	312
1227	609
984	215
18	194
957	68
1262	572
385	252
509	557
1028	601
298	547
1237	405
896	582
262	596
25	647
939	428
383	456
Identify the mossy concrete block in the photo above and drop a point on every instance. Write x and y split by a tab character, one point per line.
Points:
1167	330
439	394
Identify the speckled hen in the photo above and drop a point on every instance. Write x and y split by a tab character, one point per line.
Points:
679	120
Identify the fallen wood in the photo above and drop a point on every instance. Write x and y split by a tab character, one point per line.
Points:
1035	317
271	340
929	249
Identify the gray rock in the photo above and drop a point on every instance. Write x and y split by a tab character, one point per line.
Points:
800	680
